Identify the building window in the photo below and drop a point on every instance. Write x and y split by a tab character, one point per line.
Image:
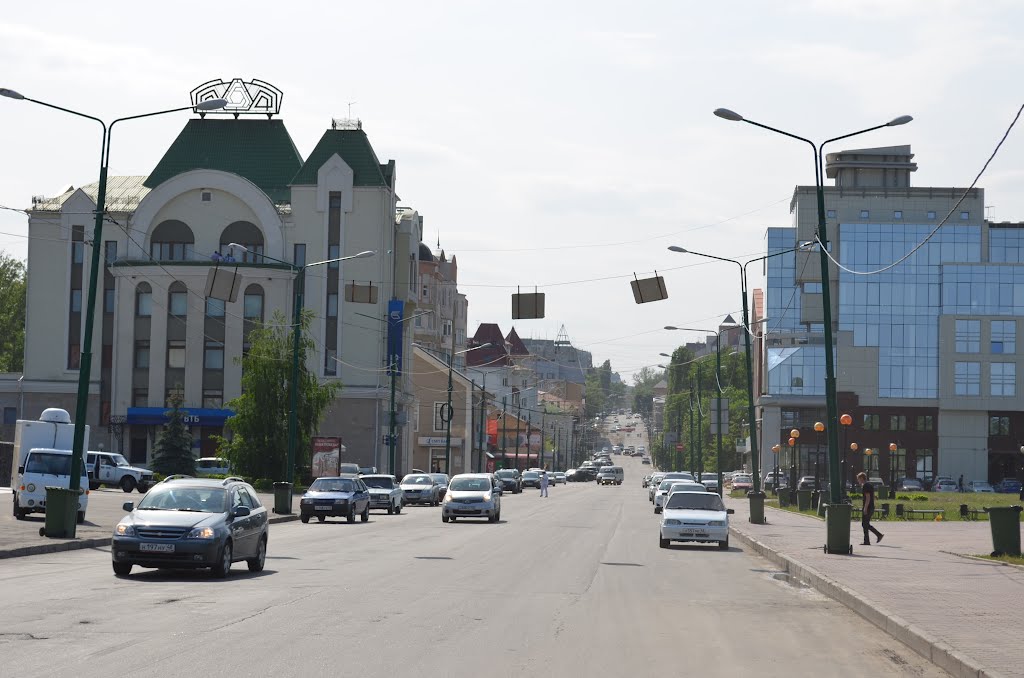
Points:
252	305
140	397
1004	336
812	288
178	303
77	252
110	251
871	422
331	362
897	422
213	357
831	214
967	379
1003	379
76	301
999	426
299	254
864	214
74	356
964	216
460	336
439	423
143	301
213	399
931	215
10	416
446	329
418	320
142	354
968	336
426	291
925	422
176	354
897	214
108	301
333	252
215	307
925	464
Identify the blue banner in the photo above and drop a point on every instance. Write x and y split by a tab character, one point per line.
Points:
194	416
396	311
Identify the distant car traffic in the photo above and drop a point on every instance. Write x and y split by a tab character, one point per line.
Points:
910	485
807	483
345	496
531	479
558	477
442	480
212	466
1008	486
945	485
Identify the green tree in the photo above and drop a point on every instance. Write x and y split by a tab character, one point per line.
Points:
644	382
258	447
173	450
12	314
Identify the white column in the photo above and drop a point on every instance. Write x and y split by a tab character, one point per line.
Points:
195	344
158	345
233	349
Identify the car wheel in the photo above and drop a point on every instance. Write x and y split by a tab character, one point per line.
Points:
398	509
81	517
256	564
122	569
222	568
493	518
18	513
391	509
127	484
304	518
657	509
94	486
351	517
322	519
143	488
663	543
724	545
452	519
365	516
444	519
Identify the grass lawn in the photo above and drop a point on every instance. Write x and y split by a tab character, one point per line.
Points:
948	501
1013	560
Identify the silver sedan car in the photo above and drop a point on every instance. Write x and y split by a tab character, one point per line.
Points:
472	495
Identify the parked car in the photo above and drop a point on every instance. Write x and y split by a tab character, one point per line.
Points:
979	486
910	485
646	480
1009	486
345	496
421	488
773	480
531	479
45	467
472	495
807	483
108	468
212	466
695	516
741	481
442	483
652	485
385	492
945	485
193	523
558	477
510	480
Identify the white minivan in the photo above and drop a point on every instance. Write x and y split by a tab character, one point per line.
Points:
46	467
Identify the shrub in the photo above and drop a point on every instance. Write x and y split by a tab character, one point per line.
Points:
903	497
263	485
920	497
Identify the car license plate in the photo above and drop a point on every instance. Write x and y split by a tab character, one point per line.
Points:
324	508
156	548
695	533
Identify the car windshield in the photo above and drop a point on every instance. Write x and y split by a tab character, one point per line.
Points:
695	501
665	485
332	485
379	483
531	475
177	498
49	464
417	480
470	485
441	478
741	479
119	460
506	474
709	476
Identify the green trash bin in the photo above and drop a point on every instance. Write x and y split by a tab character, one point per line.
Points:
784	498
881	492
837	525
283	498
1005	522
61	513
803	500
756	507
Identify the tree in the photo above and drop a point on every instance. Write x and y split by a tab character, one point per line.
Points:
644	382
173	450
258	447
12	314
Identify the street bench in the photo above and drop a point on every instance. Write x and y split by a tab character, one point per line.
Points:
967	513
857	512
932	513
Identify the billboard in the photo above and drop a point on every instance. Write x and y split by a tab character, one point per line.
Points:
326	456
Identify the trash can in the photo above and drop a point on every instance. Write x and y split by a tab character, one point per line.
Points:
837	525
815	498
881	492
1005	522
283	498
783	499
61	512
756	507
803	500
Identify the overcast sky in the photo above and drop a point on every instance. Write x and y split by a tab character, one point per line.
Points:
545	143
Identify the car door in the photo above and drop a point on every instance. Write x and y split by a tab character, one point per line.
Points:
257	516
241	527
106	469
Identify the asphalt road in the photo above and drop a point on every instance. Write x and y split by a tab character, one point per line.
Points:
570	585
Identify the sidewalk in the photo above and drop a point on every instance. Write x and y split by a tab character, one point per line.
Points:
21	537
964	615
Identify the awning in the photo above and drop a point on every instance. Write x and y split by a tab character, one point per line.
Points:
194	416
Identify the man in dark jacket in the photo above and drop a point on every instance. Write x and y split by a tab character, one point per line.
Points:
868	509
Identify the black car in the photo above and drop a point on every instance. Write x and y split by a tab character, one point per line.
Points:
531	479
344	495
510	480
193	523
585	474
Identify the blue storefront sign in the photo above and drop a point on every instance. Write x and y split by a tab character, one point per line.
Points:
194	416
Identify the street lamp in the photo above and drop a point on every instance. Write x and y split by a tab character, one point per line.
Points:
447	416
892	471
845	421
293	395
838	540
718	400
818	428
85	355
756	497
775	478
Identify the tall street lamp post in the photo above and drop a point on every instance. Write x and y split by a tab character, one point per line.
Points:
818	428
845	421
838	520
775	478
85	354
756	496
448	412
795	470
293	388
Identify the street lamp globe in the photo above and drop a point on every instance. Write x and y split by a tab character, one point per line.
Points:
795	433
776	447
792	442
819	427
846	420
892	447
854	447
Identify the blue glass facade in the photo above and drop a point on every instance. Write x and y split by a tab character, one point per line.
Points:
782	302
982	290
796	370
1006	245
898	311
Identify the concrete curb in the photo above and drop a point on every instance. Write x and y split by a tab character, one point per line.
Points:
940	654
97	542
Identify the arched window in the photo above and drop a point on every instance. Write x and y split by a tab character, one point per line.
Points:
248	236
252	303
143	300
172	240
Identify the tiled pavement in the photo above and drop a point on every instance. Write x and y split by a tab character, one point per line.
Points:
964	614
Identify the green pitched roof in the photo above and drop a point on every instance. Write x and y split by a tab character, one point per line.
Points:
262	151
355	149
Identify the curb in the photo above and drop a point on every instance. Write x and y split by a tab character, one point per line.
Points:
937	652
97	542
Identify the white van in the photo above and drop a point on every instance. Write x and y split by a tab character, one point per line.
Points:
46	467
610	475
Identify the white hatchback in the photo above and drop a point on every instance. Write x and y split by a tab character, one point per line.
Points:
695	516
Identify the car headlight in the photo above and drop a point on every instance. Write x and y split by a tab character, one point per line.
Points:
201	533
717	523
341	501
124	530
31	487
671	521
305	501
447	498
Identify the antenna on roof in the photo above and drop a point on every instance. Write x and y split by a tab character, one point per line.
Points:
562	339
350	108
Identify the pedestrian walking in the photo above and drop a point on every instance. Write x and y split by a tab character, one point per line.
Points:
543	483
960	483
868	509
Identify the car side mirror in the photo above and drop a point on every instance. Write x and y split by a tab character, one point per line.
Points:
730	511
21	470
128	506
240	511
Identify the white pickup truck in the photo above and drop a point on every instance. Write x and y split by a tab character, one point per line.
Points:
108	468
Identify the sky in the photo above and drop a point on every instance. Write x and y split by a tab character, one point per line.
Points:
561	146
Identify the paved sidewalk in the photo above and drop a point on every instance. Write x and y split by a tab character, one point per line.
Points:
963	614
21	537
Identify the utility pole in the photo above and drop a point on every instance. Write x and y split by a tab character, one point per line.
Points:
543	436
679	434
504	430
693	440
483	426
519	414
391	425
700	425
529	438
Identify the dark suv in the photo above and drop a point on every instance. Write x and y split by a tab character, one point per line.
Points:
510	480
193	523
